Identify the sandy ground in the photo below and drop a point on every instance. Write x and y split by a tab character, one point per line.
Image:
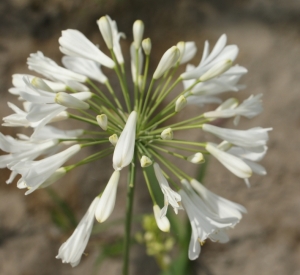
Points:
267	241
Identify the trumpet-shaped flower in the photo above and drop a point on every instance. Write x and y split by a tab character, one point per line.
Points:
71	251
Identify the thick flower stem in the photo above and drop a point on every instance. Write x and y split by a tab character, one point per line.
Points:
129	204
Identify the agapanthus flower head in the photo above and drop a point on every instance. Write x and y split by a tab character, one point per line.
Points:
136	126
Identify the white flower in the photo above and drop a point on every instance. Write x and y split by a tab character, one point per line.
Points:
254	137
204	222
85	67
170	196
74	43
35	173
180	103
231	162
189	50
218	205
249	108
219	68
116	35
18	82
71	251
107	201
162	222
219	54
168	60
124	149
47	67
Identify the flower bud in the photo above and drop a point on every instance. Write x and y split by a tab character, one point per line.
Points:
138	31
181	47
113	139
167	61
216	70
145	161
124	149
41	84
70	101
146	44
102	121
180	103
196	158
107	201
167	134
105	29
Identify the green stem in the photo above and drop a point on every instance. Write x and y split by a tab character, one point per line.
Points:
129	204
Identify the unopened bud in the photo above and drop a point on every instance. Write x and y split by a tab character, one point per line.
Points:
224	146
167	61
146	44
181	47
167	134
180	103
41	84
113	139
138	31
216	70
70	101
196	158
145	161
105	29
102	121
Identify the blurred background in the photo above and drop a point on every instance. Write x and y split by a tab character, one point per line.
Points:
267	241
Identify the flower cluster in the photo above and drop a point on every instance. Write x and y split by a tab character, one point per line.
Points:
132	128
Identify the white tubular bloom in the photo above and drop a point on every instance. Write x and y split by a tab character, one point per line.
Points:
146	44
145	161
18	82
231	162
162	222
85	67
205	223
196	158
216	70
47	67
70	101
71	251
248	108
74	43
222	207
135	70
254	137
124	150
167	134
58	174
41	84
113	139
116	40
107	200
105	29
189	52
170	196
35	173
218	55
168	60
138	31
180	103
102	121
